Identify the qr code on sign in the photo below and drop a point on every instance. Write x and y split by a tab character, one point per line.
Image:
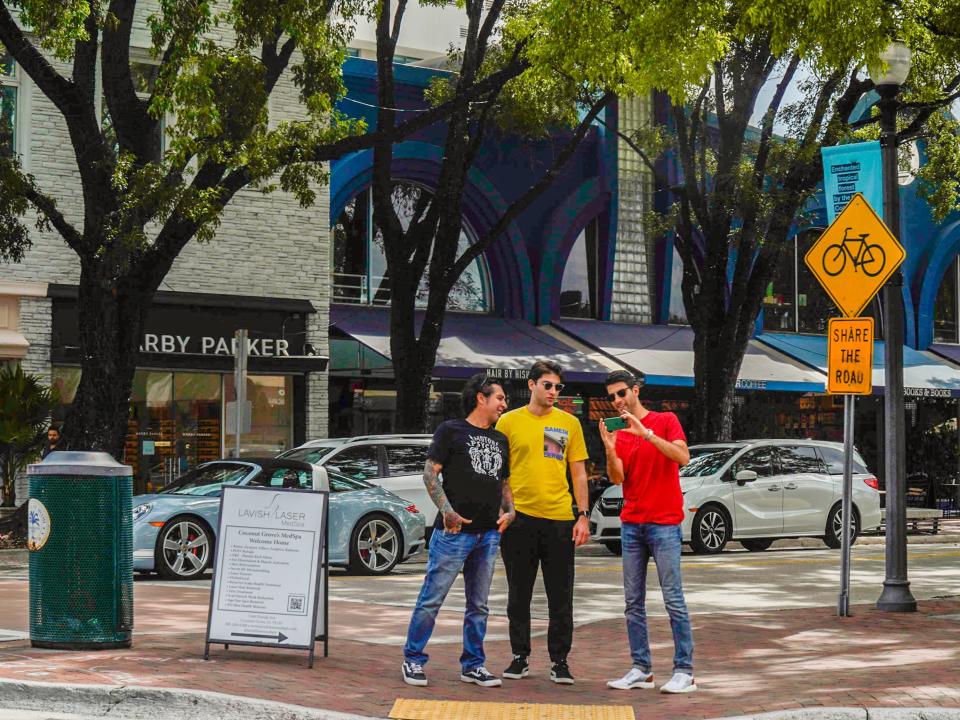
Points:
296	604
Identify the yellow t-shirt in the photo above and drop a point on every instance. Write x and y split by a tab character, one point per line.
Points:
540	448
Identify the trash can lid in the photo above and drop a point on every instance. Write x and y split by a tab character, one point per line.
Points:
63	462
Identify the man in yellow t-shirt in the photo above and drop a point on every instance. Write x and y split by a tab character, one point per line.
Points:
543	442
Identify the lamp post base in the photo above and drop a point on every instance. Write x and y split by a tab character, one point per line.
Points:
896	597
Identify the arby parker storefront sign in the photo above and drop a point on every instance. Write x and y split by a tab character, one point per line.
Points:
197	330
213	345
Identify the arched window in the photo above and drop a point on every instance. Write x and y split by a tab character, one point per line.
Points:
946	310
578	290
360	265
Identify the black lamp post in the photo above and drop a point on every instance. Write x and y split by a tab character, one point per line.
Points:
896	595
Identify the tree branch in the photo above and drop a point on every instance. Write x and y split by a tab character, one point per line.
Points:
60	91
766	134
48	206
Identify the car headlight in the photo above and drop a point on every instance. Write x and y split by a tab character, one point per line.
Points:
141	511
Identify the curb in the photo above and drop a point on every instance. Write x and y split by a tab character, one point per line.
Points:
858	713
131	702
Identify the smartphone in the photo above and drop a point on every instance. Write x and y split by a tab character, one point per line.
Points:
615	423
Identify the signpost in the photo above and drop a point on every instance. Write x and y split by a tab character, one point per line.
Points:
852	260
269	570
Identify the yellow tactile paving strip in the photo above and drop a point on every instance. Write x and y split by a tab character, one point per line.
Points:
407	709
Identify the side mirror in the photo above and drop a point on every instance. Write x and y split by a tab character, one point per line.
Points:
745	476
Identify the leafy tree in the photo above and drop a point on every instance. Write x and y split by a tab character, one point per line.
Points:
25	407
560	83
218	64
742	190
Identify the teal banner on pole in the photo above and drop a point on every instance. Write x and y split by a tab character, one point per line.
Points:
851	169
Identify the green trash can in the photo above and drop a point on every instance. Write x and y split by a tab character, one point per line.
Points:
80	536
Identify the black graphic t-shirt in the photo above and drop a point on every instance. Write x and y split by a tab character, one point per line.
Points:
475	462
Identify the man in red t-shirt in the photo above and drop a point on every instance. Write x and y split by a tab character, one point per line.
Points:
645	458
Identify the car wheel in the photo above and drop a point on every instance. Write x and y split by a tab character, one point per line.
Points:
833	533
375	545
184	548
711	530
614	546
757	545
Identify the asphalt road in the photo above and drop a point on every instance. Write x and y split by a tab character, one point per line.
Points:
734	580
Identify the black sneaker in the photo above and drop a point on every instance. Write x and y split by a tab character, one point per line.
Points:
480	676
413	673
560	673
519	668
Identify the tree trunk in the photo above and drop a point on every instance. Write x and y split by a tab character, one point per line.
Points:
8	470
111	319
717	360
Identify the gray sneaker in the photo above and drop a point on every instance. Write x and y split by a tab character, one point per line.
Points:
636	678
679	683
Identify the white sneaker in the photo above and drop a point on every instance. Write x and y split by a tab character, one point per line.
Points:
636	678
679	683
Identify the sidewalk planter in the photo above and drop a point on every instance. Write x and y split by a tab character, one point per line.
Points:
80	537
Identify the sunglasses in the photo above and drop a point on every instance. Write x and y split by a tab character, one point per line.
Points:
621	393
547	385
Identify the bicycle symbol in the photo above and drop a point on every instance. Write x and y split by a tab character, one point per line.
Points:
871	258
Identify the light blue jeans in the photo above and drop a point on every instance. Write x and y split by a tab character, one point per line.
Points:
641	541
475	554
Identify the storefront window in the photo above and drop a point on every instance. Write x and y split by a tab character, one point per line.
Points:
359	262
945	312
8	105
794	300
780	298
578	291
271	414
151	445
177	420
197	407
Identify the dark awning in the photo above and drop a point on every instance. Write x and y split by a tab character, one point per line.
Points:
475	343
664	353
924	374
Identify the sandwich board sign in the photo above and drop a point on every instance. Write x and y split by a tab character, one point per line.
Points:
270	570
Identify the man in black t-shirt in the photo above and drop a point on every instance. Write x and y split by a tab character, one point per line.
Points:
476	506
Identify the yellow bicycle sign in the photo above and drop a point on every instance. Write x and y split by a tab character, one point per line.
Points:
854	257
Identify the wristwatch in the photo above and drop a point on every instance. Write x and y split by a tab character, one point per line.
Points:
583	513
648	435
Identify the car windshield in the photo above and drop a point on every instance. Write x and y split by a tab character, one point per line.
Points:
708	462
310	454
208	479
342	483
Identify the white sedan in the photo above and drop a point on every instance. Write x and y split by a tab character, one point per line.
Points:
757	491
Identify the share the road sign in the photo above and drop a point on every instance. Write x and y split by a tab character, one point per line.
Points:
850	356
855	256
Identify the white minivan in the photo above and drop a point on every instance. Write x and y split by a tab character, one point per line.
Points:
756	491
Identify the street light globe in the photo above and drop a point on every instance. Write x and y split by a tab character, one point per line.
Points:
894	65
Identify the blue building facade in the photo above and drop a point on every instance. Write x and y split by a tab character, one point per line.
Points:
549	287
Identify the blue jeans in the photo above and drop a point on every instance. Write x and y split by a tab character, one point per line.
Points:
640	542
475	554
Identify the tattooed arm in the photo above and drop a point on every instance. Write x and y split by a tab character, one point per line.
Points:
452	522
507	512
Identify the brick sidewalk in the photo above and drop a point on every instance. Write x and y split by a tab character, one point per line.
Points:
746	663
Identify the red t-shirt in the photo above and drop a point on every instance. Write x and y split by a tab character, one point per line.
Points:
651	481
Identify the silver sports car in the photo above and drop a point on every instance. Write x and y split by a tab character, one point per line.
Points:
174	531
